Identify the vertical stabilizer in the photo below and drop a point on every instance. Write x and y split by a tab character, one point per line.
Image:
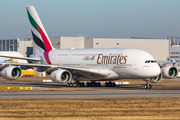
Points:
41	40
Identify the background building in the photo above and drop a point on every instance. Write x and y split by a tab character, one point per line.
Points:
25	47
8	45
159	48
175	48
175	52
67	42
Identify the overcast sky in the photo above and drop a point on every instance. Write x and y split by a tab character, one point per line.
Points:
93	18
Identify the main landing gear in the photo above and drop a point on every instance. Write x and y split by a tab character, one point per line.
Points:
110	84
147	85
82	84
93	84
90	84
75	84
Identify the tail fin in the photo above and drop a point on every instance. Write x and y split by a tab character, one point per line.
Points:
40	37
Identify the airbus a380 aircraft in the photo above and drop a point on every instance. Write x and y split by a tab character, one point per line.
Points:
93	65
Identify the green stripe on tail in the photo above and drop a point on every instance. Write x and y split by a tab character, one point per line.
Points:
32	21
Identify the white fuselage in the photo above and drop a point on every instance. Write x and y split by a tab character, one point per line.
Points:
127	63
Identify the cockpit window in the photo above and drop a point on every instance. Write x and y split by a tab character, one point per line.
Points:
150	61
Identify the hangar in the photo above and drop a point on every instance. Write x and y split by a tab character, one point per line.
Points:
159	48
67	42
25	46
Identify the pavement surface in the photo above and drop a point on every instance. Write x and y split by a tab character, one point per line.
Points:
63	92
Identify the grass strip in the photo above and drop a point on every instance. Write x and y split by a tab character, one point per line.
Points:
99	109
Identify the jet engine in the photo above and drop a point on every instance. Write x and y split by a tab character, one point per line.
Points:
11	73
156	79
61	76
169	72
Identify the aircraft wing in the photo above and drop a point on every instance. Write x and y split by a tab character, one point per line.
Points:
79	71
164	63
23	58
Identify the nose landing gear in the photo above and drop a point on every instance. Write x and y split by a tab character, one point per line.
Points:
147	85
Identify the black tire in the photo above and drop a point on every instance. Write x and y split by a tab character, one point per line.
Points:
145	86
95	84
106	84
113	84
87	84
75	84
82	84
67	85
109	84
79	84
99	84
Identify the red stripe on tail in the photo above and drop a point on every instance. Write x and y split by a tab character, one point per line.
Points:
46	55
45	40
46	44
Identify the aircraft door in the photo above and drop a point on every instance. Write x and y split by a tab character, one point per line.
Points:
135	65
53	56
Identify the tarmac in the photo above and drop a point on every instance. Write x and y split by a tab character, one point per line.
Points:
60	91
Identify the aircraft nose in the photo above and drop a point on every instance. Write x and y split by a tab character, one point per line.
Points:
156	70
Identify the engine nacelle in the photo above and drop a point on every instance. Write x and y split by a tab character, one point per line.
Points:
156	79
61	76
11	73
169	72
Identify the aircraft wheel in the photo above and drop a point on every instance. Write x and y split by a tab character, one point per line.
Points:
106	84
90	84
75	85
113	84
95	84
83	84
145	86
87	84
99	84
78	84
68	85
109	84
